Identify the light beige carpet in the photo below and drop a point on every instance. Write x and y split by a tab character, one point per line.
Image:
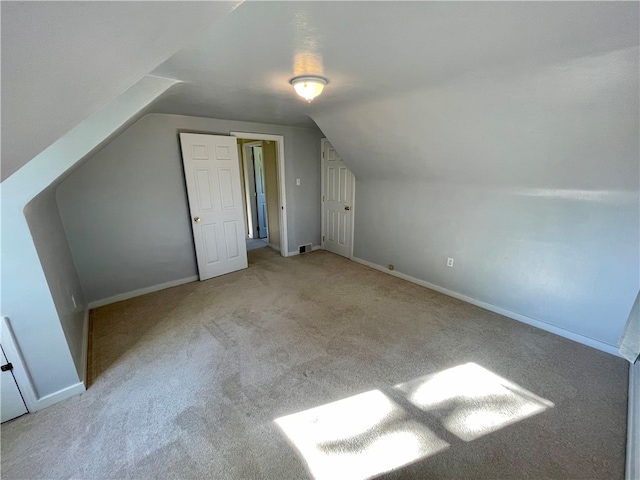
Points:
314	366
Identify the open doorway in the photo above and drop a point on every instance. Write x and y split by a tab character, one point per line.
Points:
255	190
262	166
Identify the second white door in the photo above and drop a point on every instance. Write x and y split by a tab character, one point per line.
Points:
261	196
339	184
212	174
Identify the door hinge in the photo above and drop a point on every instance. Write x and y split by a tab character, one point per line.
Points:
322	154
323	238
7	367
323	198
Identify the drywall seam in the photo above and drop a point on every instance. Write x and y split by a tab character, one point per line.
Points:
633	424
142	291
492	308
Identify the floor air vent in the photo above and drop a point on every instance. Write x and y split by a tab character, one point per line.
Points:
305	248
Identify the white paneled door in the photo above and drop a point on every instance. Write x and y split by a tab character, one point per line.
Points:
212	173
337	202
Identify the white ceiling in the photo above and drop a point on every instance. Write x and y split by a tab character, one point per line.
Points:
62	61
240	68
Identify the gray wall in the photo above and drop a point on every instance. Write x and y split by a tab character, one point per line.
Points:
27	299
126	214
528	179
51	244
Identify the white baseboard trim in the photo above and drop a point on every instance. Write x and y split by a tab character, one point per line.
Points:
605	347
55	397
23	379
14	355
142	291
633	424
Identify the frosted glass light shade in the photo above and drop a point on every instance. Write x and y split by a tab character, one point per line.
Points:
308	87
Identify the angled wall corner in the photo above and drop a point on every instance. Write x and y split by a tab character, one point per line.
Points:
529	179
33	297
50	241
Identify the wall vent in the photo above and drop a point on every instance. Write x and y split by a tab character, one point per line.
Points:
305	248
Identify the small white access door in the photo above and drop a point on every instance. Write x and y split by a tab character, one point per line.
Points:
11	402
338	195
261	196
212	173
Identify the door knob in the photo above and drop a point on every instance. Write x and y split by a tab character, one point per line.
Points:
347	207
196	219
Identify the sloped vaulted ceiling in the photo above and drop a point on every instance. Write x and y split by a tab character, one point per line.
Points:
62	61
504	134
371	50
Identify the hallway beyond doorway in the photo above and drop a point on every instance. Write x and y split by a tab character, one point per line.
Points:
255	243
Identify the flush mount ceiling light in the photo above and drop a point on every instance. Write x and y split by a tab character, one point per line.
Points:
308	86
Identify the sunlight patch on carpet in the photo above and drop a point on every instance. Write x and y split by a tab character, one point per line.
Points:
366	435
471	401
358	437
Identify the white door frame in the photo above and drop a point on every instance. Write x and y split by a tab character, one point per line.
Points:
323	148
265	210
282	197
248	188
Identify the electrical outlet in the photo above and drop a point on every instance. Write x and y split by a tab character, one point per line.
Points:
449	262
297	181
